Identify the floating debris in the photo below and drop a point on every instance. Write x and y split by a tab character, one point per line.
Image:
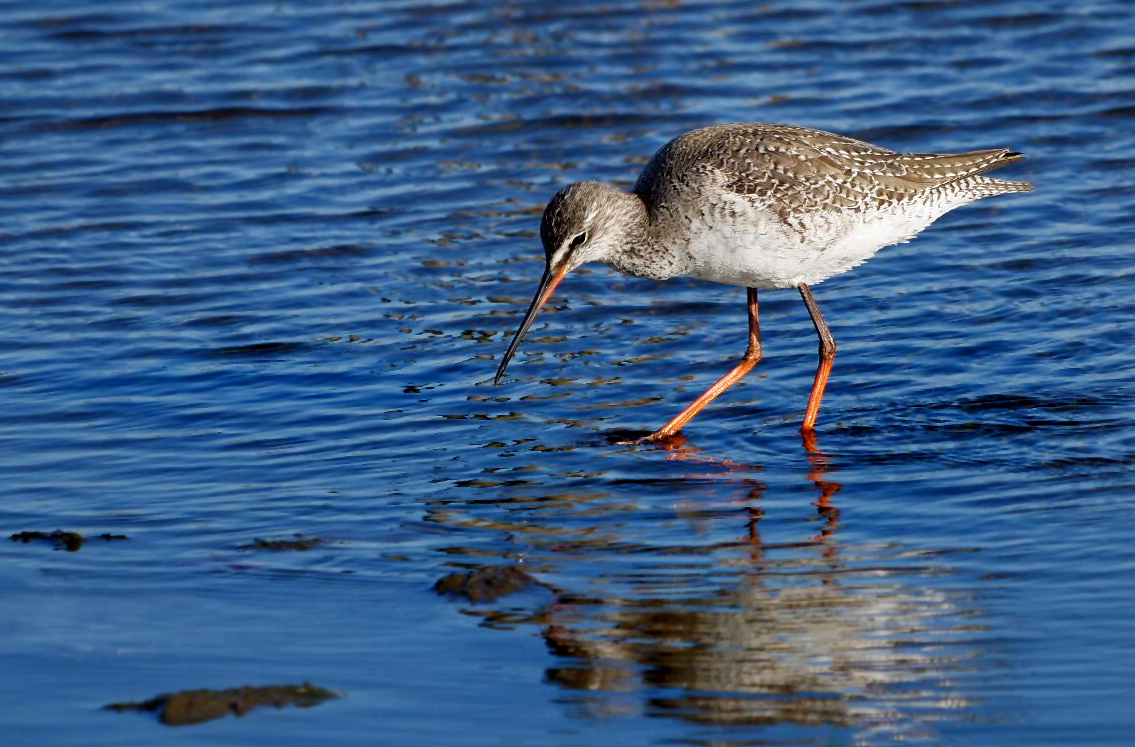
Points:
485	584
300	544
189	707
69	541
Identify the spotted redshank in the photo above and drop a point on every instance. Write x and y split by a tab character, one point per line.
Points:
760	206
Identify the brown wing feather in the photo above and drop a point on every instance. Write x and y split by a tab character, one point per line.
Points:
795	169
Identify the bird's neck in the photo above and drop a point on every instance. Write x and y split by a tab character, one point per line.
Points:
639	250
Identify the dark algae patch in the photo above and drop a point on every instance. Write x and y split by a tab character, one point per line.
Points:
198	706
299	544
485	584
69	541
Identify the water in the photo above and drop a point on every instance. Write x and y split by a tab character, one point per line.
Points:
259	264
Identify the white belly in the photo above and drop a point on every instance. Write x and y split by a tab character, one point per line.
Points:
753	247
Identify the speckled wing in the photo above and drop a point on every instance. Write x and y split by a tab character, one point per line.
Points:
793	171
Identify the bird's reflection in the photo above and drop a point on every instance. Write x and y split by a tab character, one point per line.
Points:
796	638
820	464
798	631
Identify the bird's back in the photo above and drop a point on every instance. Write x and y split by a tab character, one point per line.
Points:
799	169
777	205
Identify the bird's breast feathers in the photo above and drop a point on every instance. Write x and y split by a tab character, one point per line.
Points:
742	243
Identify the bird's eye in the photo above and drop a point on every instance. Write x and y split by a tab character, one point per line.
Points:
578	240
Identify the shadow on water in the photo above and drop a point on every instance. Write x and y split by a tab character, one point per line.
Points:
800	631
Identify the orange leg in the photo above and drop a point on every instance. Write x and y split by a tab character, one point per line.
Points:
827	357
752	358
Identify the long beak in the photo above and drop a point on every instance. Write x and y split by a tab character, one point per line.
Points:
547	284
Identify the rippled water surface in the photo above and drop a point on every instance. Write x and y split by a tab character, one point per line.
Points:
259	264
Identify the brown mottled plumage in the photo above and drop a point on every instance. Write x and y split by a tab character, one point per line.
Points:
761	206
800	170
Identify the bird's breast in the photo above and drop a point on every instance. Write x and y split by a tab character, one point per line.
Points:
758	247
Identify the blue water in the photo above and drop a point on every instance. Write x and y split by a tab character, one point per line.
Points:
260	261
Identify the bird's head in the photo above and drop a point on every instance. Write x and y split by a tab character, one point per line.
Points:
584	222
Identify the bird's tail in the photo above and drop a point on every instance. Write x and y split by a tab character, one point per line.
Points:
984	186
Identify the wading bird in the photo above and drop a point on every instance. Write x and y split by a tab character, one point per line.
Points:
761	206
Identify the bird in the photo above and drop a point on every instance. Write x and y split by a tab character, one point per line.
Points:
760	206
